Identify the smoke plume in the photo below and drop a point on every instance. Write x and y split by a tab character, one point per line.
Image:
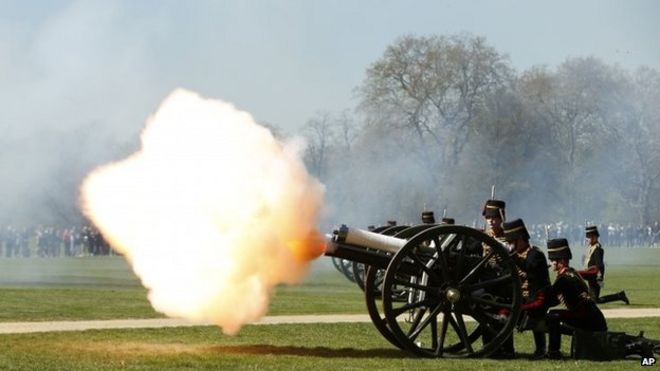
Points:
211	213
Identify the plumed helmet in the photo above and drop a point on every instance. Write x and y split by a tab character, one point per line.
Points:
558	249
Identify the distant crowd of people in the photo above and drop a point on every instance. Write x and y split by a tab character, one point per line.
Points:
45	241
613	235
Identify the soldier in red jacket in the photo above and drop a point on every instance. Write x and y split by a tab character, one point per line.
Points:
571	290
594	272
533	272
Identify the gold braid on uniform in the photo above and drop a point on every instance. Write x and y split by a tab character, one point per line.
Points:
587	256
585	288
495	259
561	299
523	275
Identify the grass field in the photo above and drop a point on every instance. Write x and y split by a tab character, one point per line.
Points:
104	288
284	347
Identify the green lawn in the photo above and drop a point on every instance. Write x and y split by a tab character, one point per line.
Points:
104	287
319	346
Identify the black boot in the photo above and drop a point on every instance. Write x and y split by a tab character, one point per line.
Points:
620	296
539	343
554	354
624	298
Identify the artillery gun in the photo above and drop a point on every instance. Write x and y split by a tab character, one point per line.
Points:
440	287
433	290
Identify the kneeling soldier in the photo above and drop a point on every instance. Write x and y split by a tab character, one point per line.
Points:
594	273
533	272
569	288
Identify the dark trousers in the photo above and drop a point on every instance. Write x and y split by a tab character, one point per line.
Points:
586	317
505	349
594	288
539	342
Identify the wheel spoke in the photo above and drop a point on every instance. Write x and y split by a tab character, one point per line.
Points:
426	269
459	260
442	258
412	332
453	242
407	307
463	333
484	323
494	282
431	318
401	282
434	333
493	303
443	333
468	277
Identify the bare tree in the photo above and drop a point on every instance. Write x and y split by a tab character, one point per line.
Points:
319	132
571	106
429	90
639	135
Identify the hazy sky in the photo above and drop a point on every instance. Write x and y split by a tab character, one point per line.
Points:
66	63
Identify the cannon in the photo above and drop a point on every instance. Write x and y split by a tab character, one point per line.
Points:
433	290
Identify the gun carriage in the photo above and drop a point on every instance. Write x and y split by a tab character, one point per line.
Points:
433	290
450	291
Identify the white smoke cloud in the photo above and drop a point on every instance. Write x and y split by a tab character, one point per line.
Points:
212	213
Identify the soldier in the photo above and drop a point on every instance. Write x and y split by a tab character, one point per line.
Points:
569	288
533	273
494	214
428	217
450	221
594	272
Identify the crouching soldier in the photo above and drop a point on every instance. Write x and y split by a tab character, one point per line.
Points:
569	288
533	273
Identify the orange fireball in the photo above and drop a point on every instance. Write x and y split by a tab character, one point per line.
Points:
212	213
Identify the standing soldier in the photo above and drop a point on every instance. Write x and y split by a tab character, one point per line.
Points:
533	273
570	289
494	214
428	217
594	272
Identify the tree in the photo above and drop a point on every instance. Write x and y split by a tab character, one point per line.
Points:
571	107
320	134
638	120
428	90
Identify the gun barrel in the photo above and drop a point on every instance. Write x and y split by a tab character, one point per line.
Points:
366	239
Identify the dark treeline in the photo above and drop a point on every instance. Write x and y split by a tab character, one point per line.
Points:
441	119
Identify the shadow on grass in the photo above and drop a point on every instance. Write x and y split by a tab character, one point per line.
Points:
322	352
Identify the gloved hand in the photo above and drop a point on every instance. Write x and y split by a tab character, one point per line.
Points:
502	314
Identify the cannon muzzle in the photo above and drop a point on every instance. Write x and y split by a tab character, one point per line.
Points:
361	238
362	246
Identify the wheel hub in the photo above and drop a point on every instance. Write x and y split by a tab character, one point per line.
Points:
453	295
